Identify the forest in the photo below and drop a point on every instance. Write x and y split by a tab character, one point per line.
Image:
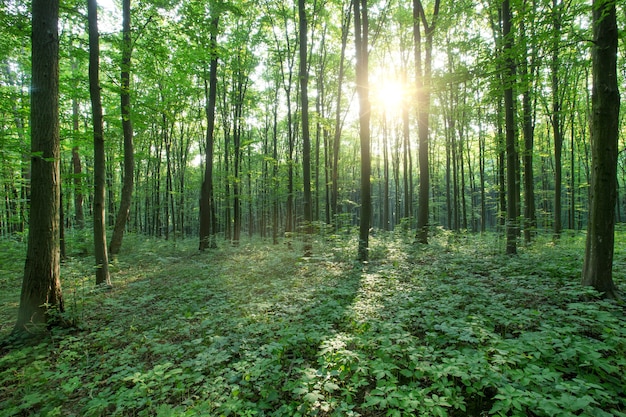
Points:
271	208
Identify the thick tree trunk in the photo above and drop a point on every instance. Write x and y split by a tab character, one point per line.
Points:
99	228
598	265
41	286
127	129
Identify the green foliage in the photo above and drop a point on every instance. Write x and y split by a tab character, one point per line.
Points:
453	329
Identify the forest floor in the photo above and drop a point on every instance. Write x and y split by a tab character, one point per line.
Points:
455	328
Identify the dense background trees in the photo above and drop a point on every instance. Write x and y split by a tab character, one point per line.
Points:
458	58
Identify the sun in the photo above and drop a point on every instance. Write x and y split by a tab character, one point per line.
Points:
390	95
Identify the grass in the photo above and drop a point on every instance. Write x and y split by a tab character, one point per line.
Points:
452	329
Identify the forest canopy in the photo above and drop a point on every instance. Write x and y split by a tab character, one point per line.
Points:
257	160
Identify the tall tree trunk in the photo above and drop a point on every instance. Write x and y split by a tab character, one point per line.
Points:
167	141
481	163
227	193
127	129
99	227
598	265
423	80
406	153
79	215
530	216
41	285
207	209
240	85
361	37
275	181
556	117
501	164
334	194
306	138
511	151
385	200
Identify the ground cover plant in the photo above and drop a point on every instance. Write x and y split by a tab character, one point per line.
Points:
453	328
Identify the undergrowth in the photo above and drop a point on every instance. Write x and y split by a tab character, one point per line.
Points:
452	329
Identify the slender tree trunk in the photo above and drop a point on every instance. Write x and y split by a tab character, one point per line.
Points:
79	215
240	83
406	150
512	226
167	141
572	187
556	118
395	165
361	35
449	206
423	80
463	201
41	285
306	138
275	181
99	227
334	195
127	129
289	215
207	209
385	200
481	163
227	193
530	217
598	265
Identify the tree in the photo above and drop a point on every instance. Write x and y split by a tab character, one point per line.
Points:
361	36
306	137
127	128
527	75
557	117
334	193
76	164
99	227
423	76
598	264
207	203
512	226
41	285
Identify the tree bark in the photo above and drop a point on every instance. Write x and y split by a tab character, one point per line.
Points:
530	216
361	44
127	129
207	209
598	265
41	285
423	79
512	226
99	228
334	194
556	117
306	137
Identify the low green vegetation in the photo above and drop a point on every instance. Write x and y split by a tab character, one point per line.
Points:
452	329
